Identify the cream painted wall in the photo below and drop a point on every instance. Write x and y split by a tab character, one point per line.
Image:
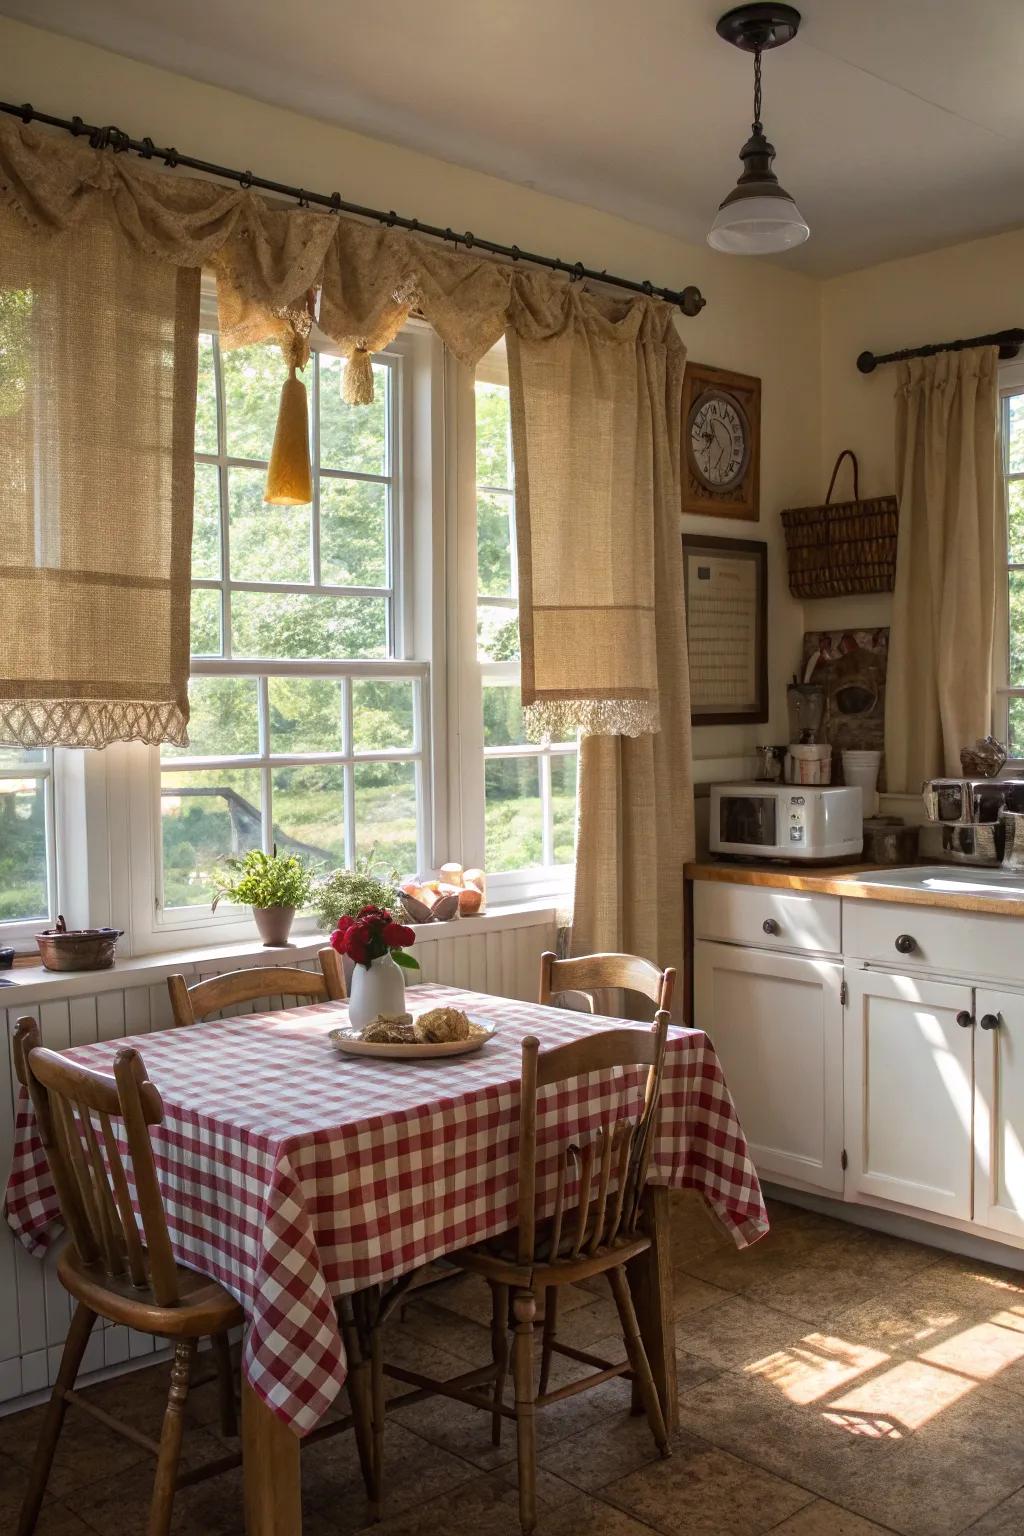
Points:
964	290
759	318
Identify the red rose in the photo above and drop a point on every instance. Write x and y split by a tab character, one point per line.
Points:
397	936
356	946
370	911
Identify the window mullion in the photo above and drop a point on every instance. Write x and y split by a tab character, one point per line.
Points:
349	780
546	815
315	510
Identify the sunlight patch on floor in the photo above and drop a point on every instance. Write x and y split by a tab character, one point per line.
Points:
904	1397
816	1366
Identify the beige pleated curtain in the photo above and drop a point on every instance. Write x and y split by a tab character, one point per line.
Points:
948	478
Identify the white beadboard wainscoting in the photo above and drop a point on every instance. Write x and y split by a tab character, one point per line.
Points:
498	953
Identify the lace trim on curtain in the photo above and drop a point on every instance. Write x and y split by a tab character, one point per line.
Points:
561	719
90	722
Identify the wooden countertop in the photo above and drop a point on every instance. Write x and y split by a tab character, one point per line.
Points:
852	880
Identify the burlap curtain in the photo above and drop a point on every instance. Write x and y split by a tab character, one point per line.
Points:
939	695
596	397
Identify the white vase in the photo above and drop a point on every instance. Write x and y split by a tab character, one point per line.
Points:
376	988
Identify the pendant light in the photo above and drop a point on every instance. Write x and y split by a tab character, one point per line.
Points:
758	217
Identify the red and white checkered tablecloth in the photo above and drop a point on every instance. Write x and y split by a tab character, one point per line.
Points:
293	1175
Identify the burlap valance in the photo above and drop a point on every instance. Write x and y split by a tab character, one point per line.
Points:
100	232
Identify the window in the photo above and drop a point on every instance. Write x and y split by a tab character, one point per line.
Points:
1009	722
529	794
27	874
308	730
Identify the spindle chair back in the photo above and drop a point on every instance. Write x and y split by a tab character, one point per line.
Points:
189	1005
590	974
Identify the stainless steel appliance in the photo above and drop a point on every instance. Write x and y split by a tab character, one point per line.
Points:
786	821
967	819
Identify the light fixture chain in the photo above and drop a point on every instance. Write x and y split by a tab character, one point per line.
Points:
757	90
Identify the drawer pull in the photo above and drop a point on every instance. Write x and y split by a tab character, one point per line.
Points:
771	926
906	943
964	1019
989	1021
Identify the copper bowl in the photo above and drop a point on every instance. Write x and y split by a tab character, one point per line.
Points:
77	949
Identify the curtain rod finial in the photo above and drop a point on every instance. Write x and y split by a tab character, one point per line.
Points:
866	362
692	301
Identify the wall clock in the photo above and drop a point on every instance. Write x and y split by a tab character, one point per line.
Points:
721	443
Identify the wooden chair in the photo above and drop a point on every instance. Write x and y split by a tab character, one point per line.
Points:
597	1233
128	1275
191	1004
595	973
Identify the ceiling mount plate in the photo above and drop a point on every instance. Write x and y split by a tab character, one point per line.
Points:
753	27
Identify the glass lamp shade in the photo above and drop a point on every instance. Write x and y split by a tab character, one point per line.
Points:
757	225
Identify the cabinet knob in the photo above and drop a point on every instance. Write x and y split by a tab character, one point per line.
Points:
770	926
989	1021
906	943
964	1019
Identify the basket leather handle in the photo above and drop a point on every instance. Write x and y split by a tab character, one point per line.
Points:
846	453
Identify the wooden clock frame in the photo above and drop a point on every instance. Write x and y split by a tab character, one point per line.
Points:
742	501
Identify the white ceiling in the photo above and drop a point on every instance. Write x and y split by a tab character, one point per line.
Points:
899	124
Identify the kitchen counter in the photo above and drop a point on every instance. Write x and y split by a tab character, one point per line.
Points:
957	887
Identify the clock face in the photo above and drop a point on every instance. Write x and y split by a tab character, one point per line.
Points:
719	440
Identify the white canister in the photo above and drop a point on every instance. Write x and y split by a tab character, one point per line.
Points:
861	768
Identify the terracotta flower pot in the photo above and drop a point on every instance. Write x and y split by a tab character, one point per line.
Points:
274	924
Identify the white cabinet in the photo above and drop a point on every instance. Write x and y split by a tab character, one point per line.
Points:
776	1022
999	1111
909	1091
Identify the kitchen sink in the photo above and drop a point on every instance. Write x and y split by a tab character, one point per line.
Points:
949	877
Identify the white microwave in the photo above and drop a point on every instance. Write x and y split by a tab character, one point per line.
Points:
786	821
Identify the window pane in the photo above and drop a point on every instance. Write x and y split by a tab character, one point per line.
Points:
353	436
503	717
23	892
353	533
309	814
1015	444
1016	629
252	390
206	524
305	715
1015	746
13	757
1015	512
223	720
206	397
205	815
493	466
382	715
497	631
268	543
386	814
206	636
289	624
563	807
512	813
494	544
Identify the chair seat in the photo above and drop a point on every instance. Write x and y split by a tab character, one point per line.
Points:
497	1260
205	1307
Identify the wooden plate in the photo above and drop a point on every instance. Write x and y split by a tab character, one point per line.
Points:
350	1040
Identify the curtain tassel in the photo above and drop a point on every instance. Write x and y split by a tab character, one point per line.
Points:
289	477
357	380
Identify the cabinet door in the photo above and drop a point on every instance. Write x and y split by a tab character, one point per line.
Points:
909	1091
776	1022
999	1111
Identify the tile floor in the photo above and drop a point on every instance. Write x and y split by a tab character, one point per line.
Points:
832	1382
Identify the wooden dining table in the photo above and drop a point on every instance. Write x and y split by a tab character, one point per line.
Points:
294	1175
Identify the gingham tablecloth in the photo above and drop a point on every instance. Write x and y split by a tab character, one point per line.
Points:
293	1174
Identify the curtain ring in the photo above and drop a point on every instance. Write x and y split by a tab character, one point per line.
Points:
516	253
392	218
648	287
171	157
148	148
577	272
470	240
336	202
27	113
245	180
77	126
303	199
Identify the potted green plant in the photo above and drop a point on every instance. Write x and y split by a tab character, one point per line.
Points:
274	885
345	892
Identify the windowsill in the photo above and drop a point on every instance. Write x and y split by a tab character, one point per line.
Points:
34	984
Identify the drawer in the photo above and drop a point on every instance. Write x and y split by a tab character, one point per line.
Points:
969	944
767	917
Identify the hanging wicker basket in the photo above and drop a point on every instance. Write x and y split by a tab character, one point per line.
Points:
843	547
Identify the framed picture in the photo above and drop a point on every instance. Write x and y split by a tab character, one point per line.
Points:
726	592
721	443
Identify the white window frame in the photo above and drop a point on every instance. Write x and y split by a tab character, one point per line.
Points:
468	674
417	422
1011	382
21	932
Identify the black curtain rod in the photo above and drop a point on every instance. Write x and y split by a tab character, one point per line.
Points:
690	300
1008	342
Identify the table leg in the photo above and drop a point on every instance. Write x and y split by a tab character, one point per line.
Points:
650	1280
270	1469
